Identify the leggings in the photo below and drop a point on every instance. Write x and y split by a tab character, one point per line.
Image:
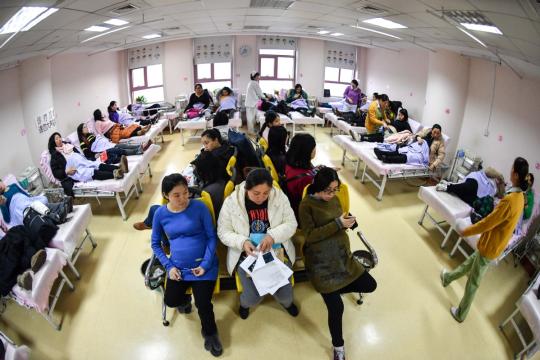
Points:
365	283
390	157
175	295
104	172
466	191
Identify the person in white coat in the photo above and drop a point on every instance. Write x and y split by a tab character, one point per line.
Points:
253	95
258	211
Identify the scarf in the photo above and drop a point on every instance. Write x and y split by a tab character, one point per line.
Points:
66	149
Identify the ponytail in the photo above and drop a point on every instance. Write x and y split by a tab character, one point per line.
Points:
521	168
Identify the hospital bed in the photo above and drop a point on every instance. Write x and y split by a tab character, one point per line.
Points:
200	123
341	125
121	189
449	207
14	352
42	298
382	172
298	119
68	237
155	131
528	306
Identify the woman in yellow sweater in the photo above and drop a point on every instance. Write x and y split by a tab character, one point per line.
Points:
496	230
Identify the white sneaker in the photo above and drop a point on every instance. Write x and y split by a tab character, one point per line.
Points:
442	275
444	182
339	353
440	187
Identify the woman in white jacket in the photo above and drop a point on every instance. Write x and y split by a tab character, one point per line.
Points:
258	212
253	94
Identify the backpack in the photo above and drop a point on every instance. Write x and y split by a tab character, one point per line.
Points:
246	157
221	118
192	113
39	226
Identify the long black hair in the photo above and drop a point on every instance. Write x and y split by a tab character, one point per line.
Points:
521	168
269	118
429	138
323	179
52	144
225	88
277	139
405	114
98	115
82	137
299	154
213	134
109	108
258	176
205	168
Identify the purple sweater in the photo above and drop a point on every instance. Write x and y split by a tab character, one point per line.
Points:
354	94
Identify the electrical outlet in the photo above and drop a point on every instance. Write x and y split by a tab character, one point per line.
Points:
486	132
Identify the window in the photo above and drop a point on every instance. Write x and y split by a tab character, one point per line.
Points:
148	82
337	79
214	76
277	69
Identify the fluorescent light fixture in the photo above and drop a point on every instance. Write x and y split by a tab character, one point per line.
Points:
323	32
385	23
485	28
105	33
26	18
375	31
116	22
151	36
96	28
336	34
472	37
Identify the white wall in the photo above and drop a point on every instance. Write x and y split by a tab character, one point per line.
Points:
14	145
178	69
446	94
36	99
83	83
244	65
402	76
515	125
310	66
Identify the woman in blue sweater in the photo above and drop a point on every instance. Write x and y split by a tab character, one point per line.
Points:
193	261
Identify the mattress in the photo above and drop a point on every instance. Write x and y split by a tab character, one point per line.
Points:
284	118
38	297
529	306
124	184
448	206
140	162
300	119
154	131
14	352
343	125
367	155
69	233
351	146
197	123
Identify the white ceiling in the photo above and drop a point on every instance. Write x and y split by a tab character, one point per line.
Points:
63	31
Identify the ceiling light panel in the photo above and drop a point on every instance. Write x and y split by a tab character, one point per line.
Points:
25	19
105	33
485	28
151	36
385	23
337	34
96	28
323	32
116	22
375	31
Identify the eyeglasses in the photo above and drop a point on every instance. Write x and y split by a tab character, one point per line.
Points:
331	191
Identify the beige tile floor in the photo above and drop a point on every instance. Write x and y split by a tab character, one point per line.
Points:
111	315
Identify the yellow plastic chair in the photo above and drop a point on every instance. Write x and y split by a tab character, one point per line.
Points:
263	144
269	165
342	195
232	163
229	186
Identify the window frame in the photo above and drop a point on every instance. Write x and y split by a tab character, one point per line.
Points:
339	76
212	74
276	61
145	87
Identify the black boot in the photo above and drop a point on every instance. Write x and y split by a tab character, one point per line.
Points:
212	344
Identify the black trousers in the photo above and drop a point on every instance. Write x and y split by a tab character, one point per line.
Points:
175	295
466	191
104	172
390	157
377	137
364	284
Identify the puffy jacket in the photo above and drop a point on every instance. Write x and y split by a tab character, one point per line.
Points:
233	223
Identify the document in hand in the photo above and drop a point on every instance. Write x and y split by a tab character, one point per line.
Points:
269	273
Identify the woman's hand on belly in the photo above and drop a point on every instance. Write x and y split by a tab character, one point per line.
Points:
198	271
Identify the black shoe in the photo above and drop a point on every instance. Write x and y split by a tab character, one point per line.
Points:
212	344
243	312
292	310
185	308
